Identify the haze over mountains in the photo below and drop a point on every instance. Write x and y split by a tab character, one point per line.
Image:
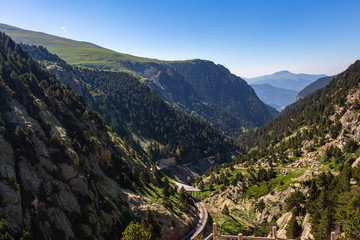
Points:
276	97
286	79
185	85
281	88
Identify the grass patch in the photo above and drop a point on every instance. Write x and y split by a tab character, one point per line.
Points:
230	224
280	182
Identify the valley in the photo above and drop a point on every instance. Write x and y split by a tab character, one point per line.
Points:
97	144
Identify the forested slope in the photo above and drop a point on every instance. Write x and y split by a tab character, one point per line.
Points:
199	88
132	108
300	172
65	174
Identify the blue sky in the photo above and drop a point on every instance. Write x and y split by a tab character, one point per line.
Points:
250	37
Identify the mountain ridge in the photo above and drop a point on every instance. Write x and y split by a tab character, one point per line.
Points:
160	75
318	84
136	112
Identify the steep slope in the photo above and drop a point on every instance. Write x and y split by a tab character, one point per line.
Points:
299	172
318	84
286	79
215	84
276	97
170	80
64	173
136	112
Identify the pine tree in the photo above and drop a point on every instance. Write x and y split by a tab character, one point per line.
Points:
293	229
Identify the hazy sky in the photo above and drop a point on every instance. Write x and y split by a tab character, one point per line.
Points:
250	37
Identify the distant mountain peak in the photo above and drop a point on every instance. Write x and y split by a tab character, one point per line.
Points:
286	79
283	71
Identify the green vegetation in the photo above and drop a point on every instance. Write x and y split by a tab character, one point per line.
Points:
133	109
73	52
89	171
135	231
231	223
147	115
307	152
197	87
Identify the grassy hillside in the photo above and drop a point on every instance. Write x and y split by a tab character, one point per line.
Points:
74	52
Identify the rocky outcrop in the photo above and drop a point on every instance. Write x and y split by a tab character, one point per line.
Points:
67	77
306	228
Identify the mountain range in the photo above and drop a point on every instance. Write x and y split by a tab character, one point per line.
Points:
197	87
286	79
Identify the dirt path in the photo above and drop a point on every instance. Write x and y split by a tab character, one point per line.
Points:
203	217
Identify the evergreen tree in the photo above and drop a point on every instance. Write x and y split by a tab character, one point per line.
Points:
293	229
352	218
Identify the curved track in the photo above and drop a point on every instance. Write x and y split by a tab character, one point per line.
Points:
200	225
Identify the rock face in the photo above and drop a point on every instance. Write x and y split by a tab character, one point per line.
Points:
68	78
63	174
215	84
10	193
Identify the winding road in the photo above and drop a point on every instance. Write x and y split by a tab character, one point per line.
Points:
203	214
200	225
